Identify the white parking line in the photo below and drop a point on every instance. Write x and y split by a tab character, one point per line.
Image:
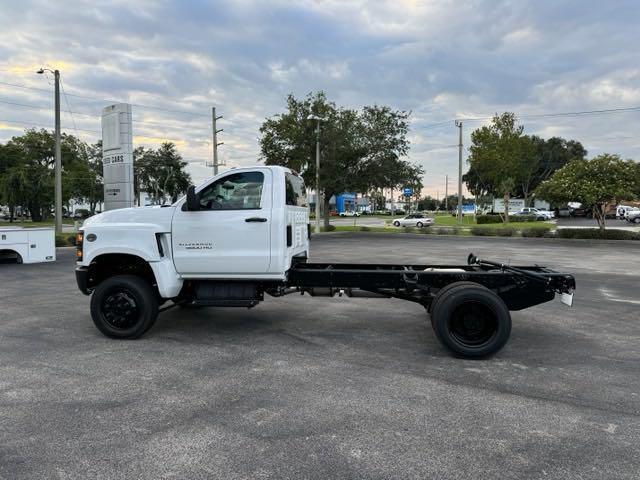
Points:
607	293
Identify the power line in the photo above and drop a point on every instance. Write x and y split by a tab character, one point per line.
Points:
97	132
93	116
68	106
95	99
583	113
43	126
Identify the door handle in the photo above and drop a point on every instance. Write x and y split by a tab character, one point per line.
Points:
255	219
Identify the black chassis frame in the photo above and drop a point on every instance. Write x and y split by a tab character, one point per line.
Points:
519	287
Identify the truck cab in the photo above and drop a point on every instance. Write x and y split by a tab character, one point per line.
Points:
243	229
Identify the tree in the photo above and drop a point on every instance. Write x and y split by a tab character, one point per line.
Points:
161	173
360	151
596	183
427	203
497	156
541	158
12	178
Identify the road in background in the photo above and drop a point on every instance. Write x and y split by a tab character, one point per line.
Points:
302	387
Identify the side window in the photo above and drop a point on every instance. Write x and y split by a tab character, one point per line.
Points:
296	193
238	191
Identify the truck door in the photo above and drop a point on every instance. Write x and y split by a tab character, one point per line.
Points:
230	234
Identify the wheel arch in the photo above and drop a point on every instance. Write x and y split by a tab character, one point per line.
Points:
11	252
107	265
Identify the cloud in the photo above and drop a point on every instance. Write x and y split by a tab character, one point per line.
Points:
439	59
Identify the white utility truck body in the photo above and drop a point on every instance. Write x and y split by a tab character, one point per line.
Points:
28	245
245	232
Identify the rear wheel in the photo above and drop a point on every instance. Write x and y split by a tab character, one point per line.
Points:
419	225
636	220
471	320
124	306
396	223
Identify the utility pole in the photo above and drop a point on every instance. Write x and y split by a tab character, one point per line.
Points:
318	177
446	193
459	125
215	140
58	167
58	148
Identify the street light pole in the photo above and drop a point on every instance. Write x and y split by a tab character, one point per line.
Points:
318	196
58	167
58	149
459	125
318	177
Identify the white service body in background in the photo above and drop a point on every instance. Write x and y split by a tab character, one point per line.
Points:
117	156
34	245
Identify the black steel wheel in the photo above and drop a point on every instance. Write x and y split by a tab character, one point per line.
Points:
124	306
471	320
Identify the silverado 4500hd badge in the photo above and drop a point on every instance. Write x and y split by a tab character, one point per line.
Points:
196	245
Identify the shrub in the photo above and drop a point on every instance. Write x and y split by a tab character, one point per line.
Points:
535	232
596	233
446	231
504	232
65	240
484	219
365	229
482	232
492	232
330	228
523	218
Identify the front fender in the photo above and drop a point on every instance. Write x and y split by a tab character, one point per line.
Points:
128	238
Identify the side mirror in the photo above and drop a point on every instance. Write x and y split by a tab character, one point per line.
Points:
193	202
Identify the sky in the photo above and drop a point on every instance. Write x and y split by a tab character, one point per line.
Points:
440	60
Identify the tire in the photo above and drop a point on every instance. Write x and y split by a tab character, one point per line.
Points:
124	306
396	223
444	290
636	220
419	225
470	320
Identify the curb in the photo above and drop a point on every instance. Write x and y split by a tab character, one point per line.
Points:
580	240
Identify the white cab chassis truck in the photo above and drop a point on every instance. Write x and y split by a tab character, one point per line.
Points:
245	233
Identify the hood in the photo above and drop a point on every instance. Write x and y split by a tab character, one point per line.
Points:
158	216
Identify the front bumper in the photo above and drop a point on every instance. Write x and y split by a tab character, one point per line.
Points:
82	279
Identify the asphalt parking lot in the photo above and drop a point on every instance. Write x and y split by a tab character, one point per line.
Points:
302	387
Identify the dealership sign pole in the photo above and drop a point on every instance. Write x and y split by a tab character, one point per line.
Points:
117	156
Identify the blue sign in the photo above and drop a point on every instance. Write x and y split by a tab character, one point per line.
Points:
468	208
407	192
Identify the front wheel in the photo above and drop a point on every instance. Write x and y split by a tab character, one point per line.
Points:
636	220
471	320
124	306
419	225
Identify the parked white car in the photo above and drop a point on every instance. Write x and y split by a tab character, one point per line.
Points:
414	220
540	214
349	213
632	216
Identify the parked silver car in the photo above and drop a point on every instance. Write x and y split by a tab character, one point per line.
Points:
414	220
